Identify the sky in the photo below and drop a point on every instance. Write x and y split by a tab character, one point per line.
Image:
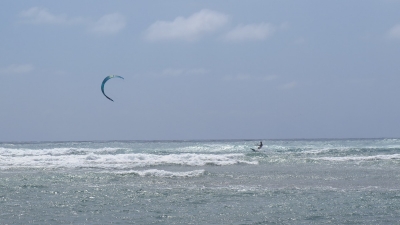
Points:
199	70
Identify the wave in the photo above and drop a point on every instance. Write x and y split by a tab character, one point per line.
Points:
360	158
118	161
57	151
162	173
352	149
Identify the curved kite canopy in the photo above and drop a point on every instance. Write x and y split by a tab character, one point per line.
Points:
105	80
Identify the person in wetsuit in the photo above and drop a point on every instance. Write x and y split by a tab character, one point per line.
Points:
260	145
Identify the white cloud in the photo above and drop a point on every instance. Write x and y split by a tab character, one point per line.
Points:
172	72
188	29
270	77
17	69
39	15
243	77
394	32
239	77
289	85
109	24
250	32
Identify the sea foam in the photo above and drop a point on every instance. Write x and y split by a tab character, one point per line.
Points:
92	159
361	158
162	173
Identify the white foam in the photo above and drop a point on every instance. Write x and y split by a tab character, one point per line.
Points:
118	161
54	151
210	148
189	159
316	151
348	148
163	173
361	158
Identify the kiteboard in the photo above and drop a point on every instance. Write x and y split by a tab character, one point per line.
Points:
254	149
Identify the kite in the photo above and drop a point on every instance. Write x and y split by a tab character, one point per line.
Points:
105	80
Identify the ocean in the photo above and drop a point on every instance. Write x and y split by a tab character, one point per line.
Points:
323	181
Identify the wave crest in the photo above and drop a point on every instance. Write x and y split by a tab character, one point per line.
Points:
163	173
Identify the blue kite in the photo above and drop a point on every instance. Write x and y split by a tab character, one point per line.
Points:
105	80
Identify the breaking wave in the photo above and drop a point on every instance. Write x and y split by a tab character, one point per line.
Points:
162	173
111	158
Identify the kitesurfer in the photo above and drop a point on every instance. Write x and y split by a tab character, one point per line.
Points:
260	145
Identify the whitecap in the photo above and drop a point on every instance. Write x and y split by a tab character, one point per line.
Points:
361	158
120	161
163	173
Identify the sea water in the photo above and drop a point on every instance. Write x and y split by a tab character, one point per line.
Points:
353	181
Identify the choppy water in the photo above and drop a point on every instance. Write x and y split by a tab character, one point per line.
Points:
201	182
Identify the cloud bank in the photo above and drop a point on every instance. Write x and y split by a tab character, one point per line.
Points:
394	32
250	32
243	77
206	21
17	69
39	15
289	85
188	29
107	24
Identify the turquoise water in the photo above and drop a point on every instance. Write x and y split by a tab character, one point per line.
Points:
355	181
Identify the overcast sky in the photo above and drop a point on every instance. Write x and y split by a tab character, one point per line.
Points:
199	69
